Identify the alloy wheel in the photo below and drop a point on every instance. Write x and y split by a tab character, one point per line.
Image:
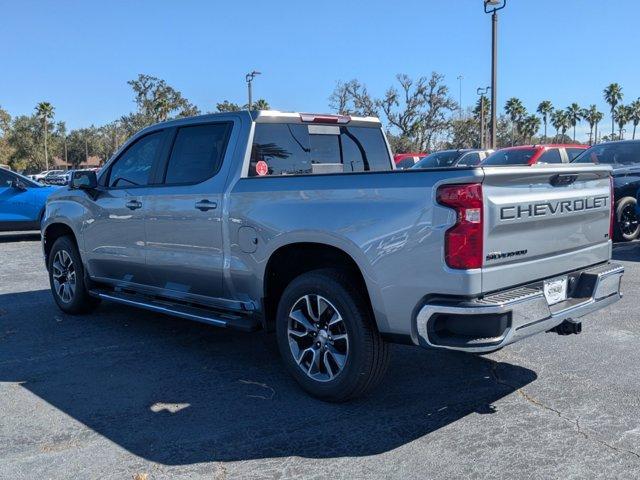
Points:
318	337
629	220
64	276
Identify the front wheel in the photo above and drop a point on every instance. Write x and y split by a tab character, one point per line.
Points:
628	226
327	337
66	277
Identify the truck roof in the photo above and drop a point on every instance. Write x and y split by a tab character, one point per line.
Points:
276	116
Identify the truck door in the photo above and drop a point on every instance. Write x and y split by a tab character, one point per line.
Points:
114	234
184	217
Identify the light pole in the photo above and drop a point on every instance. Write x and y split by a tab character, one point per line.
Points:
460	78
492	7
482	92
249	78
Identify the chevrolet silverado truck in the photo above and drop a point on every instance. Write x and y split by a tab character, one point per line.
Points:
300	224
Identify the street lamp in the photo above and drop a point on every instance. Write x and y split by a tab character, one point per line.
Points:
482	92
492	7
460	78
249	78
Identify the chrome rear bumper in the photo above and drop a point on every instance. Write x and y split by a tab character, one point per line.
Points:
517	313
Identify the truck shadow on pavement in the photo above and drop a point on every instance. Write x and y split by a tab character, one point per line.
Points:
10	237
177	392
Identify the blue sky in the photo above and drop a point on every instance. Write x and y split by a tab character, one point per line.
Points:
79	55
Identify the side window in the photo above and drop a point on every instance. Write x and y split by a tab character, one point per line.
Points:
573	153
283	147
5	178
469	160
133	167
551	156
197	153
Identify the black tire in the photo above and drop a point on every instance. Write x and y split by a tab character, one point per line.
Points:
367	353
627	225
79	301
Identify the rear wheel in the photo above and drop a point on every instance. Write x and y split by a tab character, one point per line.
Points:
327	337
66	277
628	226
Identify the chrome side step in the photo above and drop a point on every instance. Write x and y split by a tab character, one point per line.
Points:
203	315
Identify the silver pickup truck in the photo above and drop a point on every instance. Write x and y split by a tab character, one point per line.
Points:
298	223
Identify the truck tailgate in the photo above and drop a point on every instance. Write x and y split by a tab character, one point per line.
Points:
542	221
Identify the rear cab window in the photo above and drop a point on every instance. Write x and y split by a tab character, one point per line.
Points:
302	149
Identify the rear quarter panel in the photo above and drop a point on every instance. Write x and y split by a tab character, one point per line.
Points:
387	222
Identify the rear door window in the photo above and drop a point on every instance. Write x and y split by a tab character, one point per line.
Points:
197	153
299	149
551	156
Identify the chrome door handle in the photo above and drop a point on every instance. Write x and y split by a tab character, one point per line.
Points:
205	205
133	205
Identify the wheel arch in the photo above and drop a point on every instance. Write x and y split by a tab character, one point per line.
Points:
51	233
290	260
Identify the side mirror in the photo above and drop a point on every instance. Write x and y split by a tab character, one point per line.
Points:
18	185
84	180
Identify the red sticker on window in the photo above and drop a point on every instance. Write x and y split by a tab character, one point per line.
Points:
262	168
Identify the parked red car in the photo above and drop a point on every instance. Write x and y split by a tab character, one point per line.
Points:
408	160
532	154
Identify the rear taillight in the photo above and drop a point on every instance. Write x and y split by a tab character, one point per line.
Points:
612	204
463	241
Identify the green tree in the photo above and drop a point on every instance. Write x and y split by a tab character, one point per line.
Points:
545	108
593	117
158	101
530	126
419	110
5	127
613	95
560	122
45	111
634	115
516	112
574	114
621	115
228	106
353	98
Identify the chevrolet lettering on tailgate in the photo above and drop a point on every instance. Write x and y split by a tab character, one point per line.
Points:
553	208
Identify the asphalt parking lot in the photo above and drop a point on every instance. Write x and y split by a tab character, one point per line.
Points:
123	392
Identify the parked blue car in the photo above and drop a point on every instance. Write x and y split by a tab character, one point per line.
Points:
22	201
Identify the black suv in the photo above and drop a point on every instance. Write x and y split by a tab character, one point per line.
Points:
624	157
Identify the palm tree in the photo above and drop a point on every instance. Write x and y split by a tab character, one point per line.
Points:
516	112
545	109
598	118
592	116
44	111
261	104
530	125
621	115
613	95
574	114
634	115
558	120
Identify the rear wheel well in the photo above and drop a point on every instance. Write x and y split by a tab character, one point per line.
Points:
291	261
54	232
